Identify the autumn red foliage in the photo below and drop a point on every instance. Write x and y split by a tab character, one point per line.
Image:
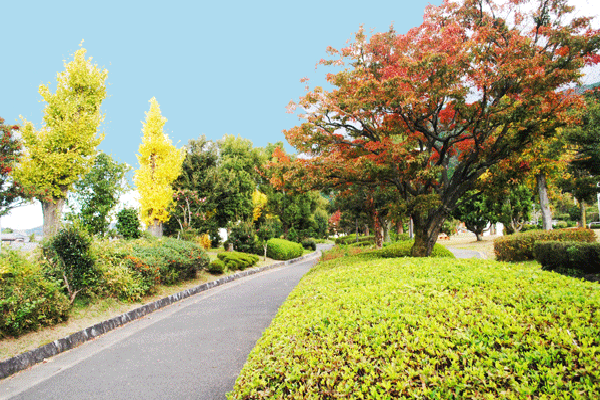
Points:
429	111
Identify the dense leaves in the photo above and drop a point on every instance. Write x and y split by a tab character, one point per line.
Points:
428	112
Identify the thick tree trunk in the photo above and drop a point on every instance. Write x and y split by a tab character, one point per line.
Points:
156	228
426	233
52	212
399	227
479	236
544	202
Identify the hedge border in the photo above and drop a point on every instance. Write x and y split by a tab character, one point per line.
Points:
30	358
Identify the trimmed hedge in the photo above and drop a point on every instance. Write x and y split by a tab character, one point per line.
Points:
519	247
235	260
429	329
28	299
351	239
402	249
216	267
568	255
281	249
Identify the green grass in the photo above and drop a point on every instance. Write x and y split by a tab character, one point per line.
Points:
368	328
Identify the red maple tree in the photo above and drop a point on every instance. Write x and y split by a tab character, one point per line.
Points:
429	111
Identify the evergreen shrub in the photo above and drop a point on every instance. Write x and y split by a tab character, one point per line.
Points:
243	237
235	260
309	244
281	249
519	247
128	224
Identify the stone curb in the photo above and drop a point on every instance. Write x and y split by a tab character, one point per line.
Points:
32	357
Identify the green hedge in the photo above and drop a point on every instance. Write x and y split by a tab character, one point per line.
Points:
281	249
402	249
351	239
568	255
519	247
28	299
235	260
429	329
216	267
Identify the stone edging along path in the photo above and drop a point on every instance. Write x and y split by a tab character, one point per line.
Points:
32	357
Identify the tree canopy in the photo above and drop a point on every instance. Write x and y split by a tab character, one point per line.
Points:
429	111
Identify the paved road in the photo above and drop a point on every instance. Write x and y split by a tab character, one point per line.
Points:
193	349
460	253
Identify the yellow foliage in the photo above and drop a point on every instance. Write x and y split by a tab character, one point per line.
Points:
259	201
204	241
160	164
64	148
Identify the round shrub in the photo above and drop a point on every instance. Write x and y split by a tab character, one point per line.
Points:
216	267
243	237
309	244
281	249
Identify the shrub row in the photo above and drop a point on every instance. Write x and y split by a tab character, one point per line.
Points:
27	299
281	249
568	255
519	247
429	329
234	260
351	239
402	249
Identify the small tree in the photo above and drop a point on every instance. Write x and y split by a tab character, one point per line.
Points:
11	195
98	192
64	148
128	224
160	164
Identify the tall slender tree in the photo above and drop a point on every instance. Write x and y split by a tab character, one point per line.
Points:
160	164
63	149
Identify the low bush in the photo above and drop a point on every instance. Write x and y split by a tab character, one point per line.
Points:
428	329
235	260
350	239
568	255
561	224
176	260
519	247
28	299
402	249
309	244
216	266
281	249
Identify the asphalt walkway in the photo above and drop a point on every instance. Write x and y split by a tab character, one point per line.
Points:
193	349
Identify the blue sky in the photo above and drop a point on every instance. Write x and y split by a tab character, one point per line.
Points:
214	67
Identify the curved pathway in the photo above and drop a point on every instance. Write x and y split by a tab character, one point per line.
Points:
460	253
193	349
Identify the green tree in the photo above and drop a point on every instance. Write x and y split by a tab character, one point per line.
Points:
128	224
194	199
96	194
237	179
64	148
160	164
583	171
473	210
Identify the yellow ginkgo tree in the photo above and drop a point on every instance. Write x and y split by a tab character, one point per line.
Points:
63	149
160	164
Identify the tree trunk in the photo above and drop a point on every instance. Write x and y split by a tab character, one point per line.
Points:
156	228
544	202
52	212
426	231
479	236
387	225
399	226
583	219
